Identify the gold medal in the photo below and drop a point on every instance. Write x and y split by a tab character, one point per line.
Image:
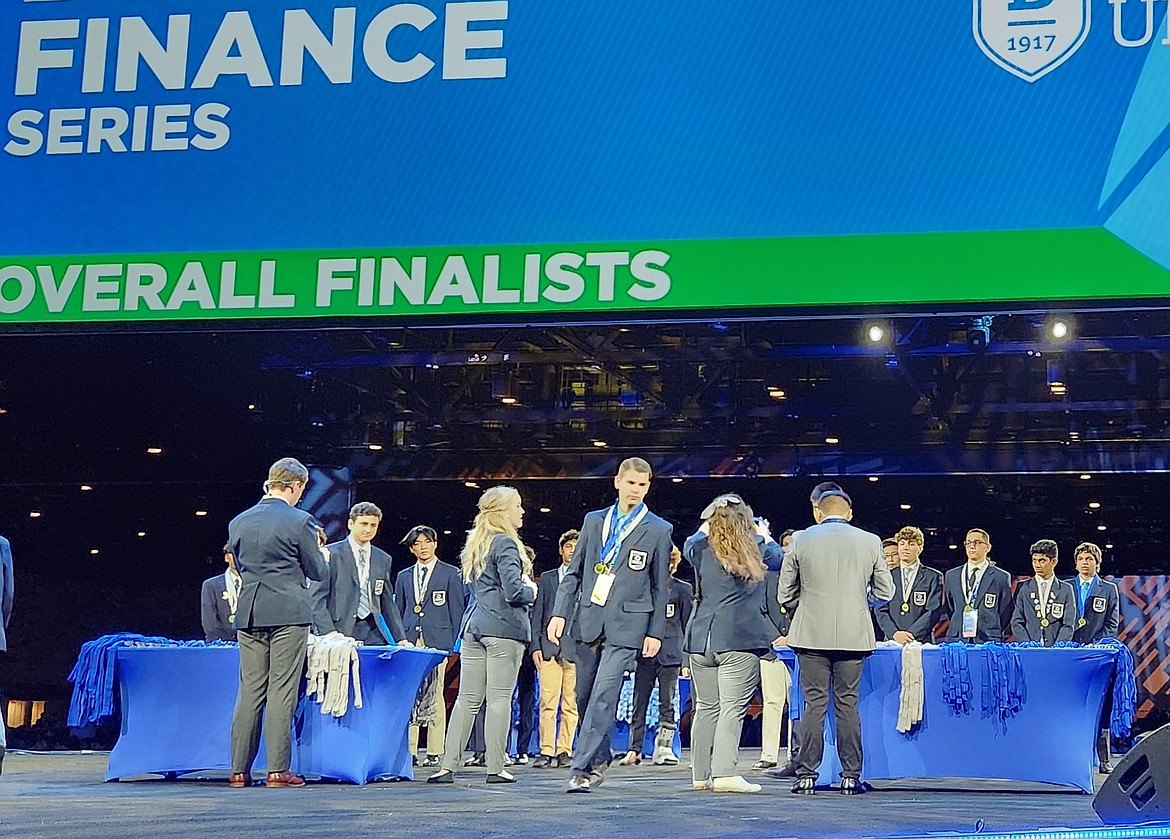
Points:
600	568
905	608
1081	622
1044	621
417	609
968	608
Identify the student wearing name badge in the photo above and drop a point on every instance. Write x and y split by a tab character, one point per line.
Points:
218	599
1098	617
663	669
910	615
978	594
496	631
1045	608
431	598
617	584
359	589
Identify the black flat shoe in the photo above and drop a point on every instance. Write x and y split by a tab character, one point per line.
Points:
804	786
443	776
502	778
852	786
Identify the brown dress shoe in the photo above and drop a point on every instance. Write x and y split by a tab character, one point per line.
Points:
238	780
284	779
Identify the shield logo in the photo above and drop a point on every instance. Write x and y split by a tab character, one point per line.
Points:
379	587
1057	610
637	560
439	598
670	610
1030	38
1098	604
989	600
920	598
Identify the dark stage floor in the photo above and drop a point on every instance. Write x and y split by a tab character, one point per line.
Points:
62	796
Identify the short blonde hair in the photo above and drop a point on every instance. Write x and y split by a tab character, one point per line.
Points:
286	472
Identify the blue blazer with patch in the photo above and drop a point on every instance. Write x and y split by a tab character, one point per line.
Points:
993	602
1062	613
1102	611
924	604
337	597
442	608
214	612
730	611
636	606
500	598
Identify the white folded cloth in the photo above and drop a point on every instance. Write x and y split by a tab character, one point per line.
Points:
913	693
330	660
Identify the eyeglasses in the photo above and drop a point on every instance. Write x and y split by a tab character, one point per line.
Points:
971	543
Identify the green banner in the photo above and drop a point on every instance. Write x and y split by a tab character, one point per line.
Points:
561	281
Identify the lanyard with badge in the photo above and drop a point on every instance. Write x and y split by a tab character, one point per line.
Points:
615	529
1042	603
907	583
970	613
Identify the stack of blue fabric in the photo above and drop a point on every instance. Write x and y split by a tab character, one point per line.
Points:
93	674
1124	689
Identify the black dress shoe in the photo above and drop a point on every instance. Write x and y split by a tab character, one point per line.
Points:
564	760
1105	768
764	764
543	762
502	778
788	770
852	786
804	786
443	776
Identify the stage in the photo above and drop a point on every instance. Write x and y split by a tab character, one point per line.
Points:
63	796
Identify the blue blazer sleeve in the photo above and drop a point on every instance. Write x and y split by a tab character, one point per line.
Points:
207	604
9	585
309	552
507	558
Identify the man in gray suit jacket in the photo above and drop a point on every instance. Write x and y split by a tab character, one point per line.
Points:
832	567
358	589
617	583
6	589
276	547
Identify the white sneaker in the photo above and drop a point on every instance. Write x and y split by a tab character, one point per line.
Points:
664	756
734	783
699	786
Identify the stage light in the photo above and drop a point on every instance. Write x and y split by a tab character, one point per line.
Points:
832	441
93	551
979	333
200	513
546	509
877	331
154	450
471	484
251	406
374	447
601	444
446	532
1086	477
903	506
1094	505
3	411
873	479
777	393
1109	546
85	488
508	400
676	480
1059	328
1102	527
35	514
1054	374
953	546
140	534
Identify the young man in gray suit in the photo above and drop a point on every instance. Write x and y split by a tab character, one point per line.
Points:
218	601
6	589
617	584
276	548
832	567
359	589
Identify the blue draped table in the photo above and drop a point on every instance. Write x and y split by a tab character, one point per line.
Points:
1051	740
177	705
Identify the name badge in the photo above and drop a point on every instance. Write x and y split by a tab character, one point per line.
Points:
670	610
637	560
919	598
970	623
439	598
379	586
1057	610
989	600
601	588
1098	604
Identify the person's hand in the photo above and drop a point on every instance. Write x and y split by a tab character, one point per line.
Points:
782	641
903	637
538	659
556	627
685	672
764	529
405	643
529	582
650	647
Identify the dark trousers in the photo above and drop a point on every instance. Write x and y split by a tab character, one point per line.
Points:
272	662
366	630
820	671
650	671
526	693
600	671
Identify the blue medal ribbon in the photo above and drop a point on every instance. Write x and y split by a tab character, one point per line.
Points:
619	528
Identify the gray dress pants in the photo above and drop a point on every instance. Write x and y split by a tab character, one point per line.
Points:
723	685
487	672
272	663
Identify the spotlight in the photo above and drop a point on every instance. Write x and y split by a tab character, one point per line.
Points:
374	447
1059	328
877	331
979	333
1056	378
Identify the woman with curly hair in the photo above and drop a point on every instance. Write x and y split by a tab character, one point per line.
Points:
728	633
